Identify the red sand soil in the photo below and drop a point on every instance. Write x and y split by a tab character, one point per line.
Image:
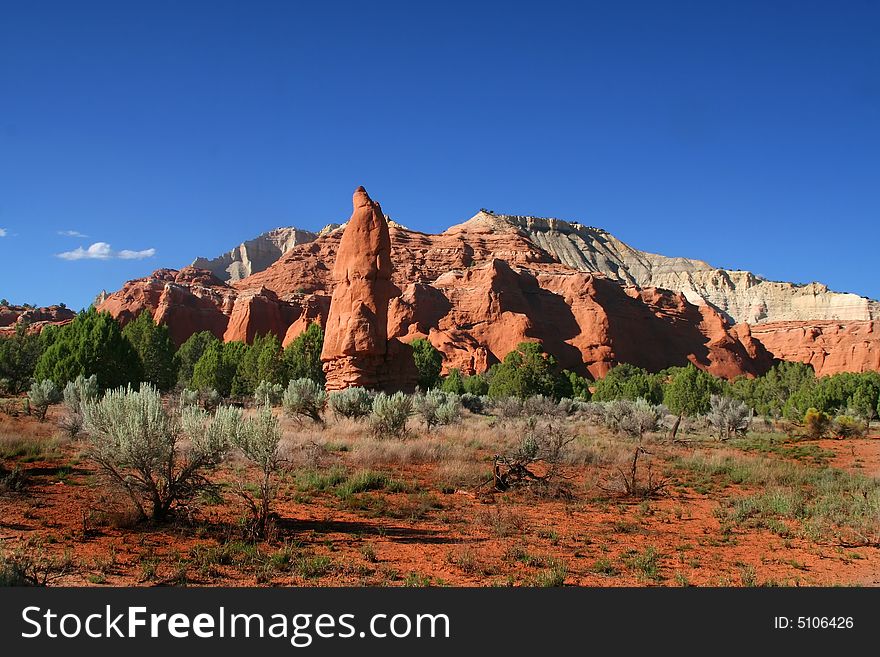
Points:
456	538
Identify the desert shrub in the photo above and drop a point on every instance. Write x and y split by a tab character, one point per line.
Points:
615	413
816	423
189	353
18	358
728	416
268	392
302	357
259	439
592	412
428	361
689	391
92	343
77	392
449	411
436	407
155	349
390	414
139	446
189	398
305	398
846	426
540	405
640	418
353	403
627	381
542	441
507	408
41	396
473	403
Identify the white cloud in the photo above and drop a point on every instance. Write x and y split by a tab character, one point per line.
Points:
126	254
102	251
2	232
71	233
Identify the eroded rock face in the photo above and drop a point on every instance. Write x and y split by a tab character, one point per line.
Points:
356	348
479	288
35	318
830	347
254	255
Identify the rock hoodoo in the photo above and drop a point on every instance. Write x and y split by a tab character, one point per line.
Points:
356	350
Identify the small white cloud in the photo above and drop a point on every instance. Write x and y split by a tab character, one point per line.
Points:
125	254
71	233
102	251
2	232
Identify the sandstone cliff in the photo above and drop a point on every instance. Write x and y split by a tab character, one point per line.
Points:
740	295
35	318
254	255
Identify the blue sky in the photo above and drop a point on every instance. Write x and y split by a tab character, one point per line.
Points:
746	134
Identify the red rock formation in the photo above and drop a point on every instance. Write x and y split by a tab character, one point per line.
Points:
356	346
829	346
35	318
475	293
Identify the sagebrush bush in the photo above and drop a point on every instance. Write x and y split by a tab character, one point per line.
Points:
42	395
507	408
539	405
77	392
728	416
305	398
390	414
642	417
259	439
353	403
437	407
266	391
138	445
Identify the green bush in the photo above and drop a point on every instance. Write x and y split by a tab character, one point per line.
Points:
92	343
305	398
217	367
19	354
302	357
390	414
259	439
689	390
526	371
627	381
453	382
189	353
260	361
155	350
429	362
846	426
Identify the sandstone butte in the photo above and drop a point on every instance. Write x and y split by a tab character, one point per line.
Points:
357	350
